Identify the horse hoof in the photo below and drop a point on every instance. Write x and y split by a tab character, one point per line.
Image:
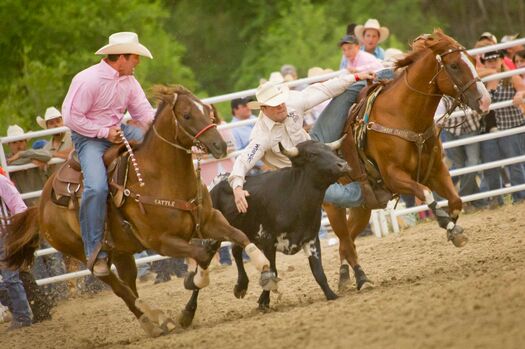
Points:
269	281
361	279
344	278
149	327
239	291
186	318
457	237
264	307
331	296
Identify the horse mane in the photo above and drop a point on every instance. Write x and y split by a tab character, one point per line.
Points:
436	42
165	93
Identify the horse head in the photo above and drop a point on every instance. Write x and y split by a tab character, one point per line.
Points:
456	75
185	121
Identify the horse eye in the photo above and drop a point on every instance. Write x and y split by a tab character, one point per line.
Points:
454	66
187	116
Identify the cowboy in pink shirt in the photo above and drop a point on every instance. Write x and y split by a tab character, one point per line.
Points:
93	109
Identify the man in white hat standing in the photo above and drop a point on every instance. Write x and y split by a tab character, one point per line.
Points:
93	109
281	120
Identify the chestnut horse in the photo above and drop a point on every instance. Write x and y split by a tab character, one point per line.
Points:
402	117
165	160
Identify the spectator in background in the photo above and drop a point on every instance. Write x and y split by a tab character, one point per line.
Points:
11	204
241	112
60	144
519	61
503	119
289	73
371	34
356	59
460	127
32	179
510	51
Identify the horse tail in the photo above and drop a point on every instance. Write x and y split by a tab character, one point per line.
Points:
21	239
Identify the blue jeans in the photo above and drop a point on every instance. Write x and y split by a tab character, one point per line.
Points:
329	128
224	255
501	148
143	269
464	156
11	283
93	204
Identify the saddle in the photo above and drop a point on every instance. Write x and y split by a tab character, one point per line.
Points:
67	185
356	125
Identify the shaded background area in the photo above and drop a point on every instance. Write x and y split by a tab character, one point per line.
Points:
212	47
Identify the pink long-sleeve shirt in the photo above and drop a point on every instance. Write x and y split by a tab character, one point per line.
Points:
98	98
11	197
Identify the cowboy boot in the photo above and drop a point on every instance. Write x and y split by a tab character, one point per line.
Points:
357	172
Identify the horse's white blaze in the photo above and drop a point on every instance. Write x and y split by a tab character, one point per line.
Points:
199	105
429	197
482	90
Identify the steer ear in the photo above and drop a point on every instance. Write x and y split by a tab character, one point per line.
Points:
336	144
291	153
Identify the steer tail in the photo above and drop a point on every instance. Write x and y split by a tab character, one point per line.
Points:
21	239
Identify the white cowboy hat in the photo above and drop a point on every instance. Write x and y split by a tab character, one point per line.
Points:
124	43
276	77
372	24
269	94
14	130
393	54
51	113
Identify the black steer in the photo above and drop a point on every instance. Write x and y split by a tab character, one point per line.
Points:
284	213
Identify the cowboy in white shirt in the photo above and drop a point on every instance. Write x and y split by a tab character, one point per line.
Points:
281	120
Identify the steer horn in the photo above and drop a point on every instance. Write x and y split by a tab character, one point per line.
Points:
291	153
336	144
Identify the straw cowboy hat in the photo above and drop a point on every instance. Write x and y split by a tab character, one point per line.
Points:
372	24
51	113
124	43
269	94
276	77
14	130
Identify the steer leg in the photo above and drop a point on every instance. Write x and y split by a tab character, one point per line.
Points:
313	251
218	228
264	298
242	278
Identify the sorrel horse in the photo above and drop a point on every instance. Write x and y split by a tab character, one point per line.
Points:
402	140
160	224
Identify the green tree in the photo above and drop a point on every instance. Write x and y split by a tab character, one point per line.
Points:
44	44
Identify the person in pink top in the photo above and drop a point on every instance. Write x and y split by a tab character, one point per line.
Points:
11	203
357	60
93	109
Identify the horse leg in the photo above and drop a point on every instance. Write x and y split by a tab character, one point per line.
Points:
337	217
175	246
313	251
217	227
242	278
442	184
127	270
357	221
401	182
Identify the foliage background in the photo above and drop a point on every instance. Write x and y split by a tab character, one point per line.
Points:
212	47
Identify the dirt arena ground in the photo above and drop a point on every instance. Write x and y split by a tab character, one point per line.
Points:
427	294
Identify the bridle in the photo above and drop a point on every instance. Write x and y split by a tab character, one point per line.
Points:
178	126
441	65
